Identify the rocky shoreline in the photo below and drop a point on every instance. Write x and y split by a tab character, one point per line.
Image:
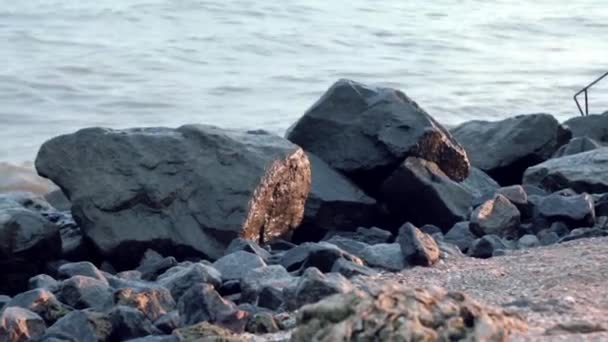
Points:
200	233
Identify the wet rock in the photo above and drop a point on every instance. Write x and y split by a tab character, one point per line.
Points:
496	216
152	302
375	130
83	268
275	277
262	323
82	292
591	126
236	265
41	302
384	255
401	314
314	286
582	172
18	324
81	325
240	244
528	241
181	278
349	269
419	192
27	242
505	149
460	235
574	210
321	255
487	246
128	323
202	303
418	248
577	145
142	188
43	281
334	202
205	331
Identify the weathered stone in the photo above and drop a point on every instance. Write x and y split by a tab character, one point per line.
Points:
528	241
262	323
370	236
202	303
576	210
128	322
495	216
181	278
143	188
153	303
321	255
418	248
402	314
20	325
236	265
349	269
83	268
577	145
270	298
168	322
205	331
58	200
460	235
591	126
547	237
348	245
81	325
82	292
41	302
583	172
384	255
418	191
479	183
27	242
314	286
245	245
487	246
504	149
366	132
43	281
275	276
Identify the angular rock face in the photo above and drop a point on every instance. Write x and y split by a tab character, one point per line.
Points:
314	286
184	192
40	302
396	314
582	172
578	211
461	235
418	248
367	132
419	192
20	325
591	126
577	145
335	202
504	149
80	325
236	265
496	216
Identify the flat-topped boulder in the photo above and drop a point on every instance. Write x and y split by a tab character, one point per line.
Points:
185	191
582	172
366	132
504	149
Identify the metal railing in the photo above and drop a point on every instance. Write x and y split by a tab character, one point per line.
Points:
584	90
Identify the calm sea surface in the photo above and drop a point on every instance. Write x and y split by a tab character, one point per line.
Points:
68	64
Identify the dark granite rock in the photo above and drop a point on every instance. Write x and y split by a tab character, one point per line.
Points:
152	302
387	256
582	172
418	191
321	255
418	248
496	216
505	149
83	268
581	233
351	246
41	302
576	211
528	241
168	322
179	279
275	276
270	298
591	126
236	265
431	229
80	325
128	323
20	325
240	244
479	183
350	269
577	145
366	132
205	331
460	235
43	281
547	237
262	323
142	188
314	286
487	246
370	236
82	292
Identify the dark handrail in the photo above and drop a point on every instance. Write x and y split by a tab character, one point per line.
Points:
584	90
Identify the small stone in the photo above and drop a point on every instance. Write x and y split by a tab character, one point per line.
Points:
486	246
236	265
418	248
179	279
262	323
41	302
496	216
204	331
384	255
43	281
547	237
128	322
314	286
240	244
83	268
270	298
460	235
275	276
168	322
82	292
152	302
528	241
321	255
349	269
431	229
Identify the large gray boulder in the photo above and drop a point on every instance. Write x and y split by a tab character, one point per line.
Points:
366	132
504	149
419	192
577	145
335	202
591	126
186	191
582	172
20	325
